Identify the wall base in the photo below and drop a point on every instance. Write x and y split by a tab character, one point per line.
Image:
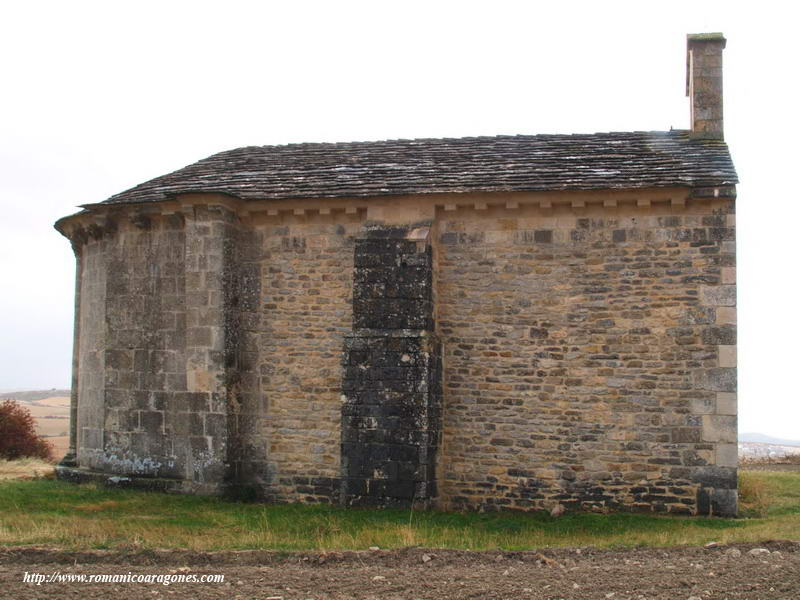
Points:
151	484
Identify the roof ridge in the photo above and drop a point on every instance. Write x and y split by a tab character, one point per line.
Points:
500	136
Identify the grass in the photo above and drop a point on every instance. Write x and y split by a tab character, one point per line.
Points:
73	517
26	468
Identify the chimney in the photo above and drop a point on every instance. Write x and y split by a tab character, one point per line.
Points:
704	83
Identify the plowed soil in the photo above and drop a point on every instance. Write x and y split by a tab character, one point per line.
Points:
575	574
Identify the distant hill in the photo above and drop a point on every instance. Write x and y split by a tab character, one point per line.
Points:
760	438
33	396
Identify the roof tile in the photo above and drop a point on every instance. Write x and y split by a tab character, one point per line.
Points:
428	166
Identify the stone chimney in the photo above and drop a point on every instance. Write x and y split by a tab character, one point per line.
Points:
704	83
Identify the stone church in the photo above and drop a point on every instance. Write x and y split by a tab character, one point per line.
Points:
486	323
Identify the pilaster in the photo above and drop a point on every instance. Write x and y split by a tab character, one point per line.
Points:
391	401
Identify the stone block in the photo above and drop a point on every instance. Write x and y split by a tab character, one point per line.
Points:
151	421
727	455
214	426
726	315
119	359
200	380
91	438
718	295
712	476
684	435
720	335
727	356
199	336
717	502
724	502
722	379
702	406
728	275
726	403
719	428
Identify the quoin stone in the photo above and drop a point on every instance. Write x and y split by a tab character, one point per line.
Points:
532	322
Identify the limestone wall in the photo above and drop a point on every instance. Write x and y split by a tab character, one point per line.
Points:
589	357
587	342
149	403
306	272
145	349
91	353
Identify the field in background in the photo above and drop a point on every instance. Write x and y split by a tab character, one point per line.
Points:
60	446
33	395
83	517
50	410
26	469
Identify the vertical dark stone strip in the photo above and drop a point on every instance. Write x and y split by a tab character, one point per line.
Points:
231	329
391	412
244	478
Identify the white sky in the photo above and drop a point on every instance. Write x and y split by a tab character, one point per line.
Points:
98	97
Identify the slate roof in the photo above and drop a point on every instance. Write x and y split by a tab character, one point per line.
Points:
472	164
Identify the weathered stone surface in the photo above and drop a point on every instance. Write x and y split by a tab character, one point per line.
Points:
704	84
717	495
722	334
722	379
726	403
727	455
391	403
291	409
716	477
723	295
719	428
579	371
579	366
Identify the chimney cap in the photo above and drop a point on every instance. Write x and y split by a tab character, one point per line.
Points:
705	37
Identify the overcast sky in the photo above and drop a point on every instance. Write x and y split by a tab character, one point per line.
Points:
98	97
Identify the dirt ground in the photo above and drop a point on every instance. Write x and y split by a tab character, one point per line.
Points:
771	571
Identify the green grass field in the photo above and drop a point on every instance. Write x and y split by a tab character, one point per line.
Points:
53	513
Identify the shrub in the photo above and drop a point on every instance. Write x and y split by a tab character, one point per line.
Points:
18	437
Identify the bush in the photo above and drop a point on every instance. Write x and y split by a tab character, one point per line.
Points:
18	437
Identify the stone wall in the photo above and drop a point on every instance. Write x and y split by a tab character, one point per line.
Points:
576	349
589	357
91	353
152	398
306	272
144	347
